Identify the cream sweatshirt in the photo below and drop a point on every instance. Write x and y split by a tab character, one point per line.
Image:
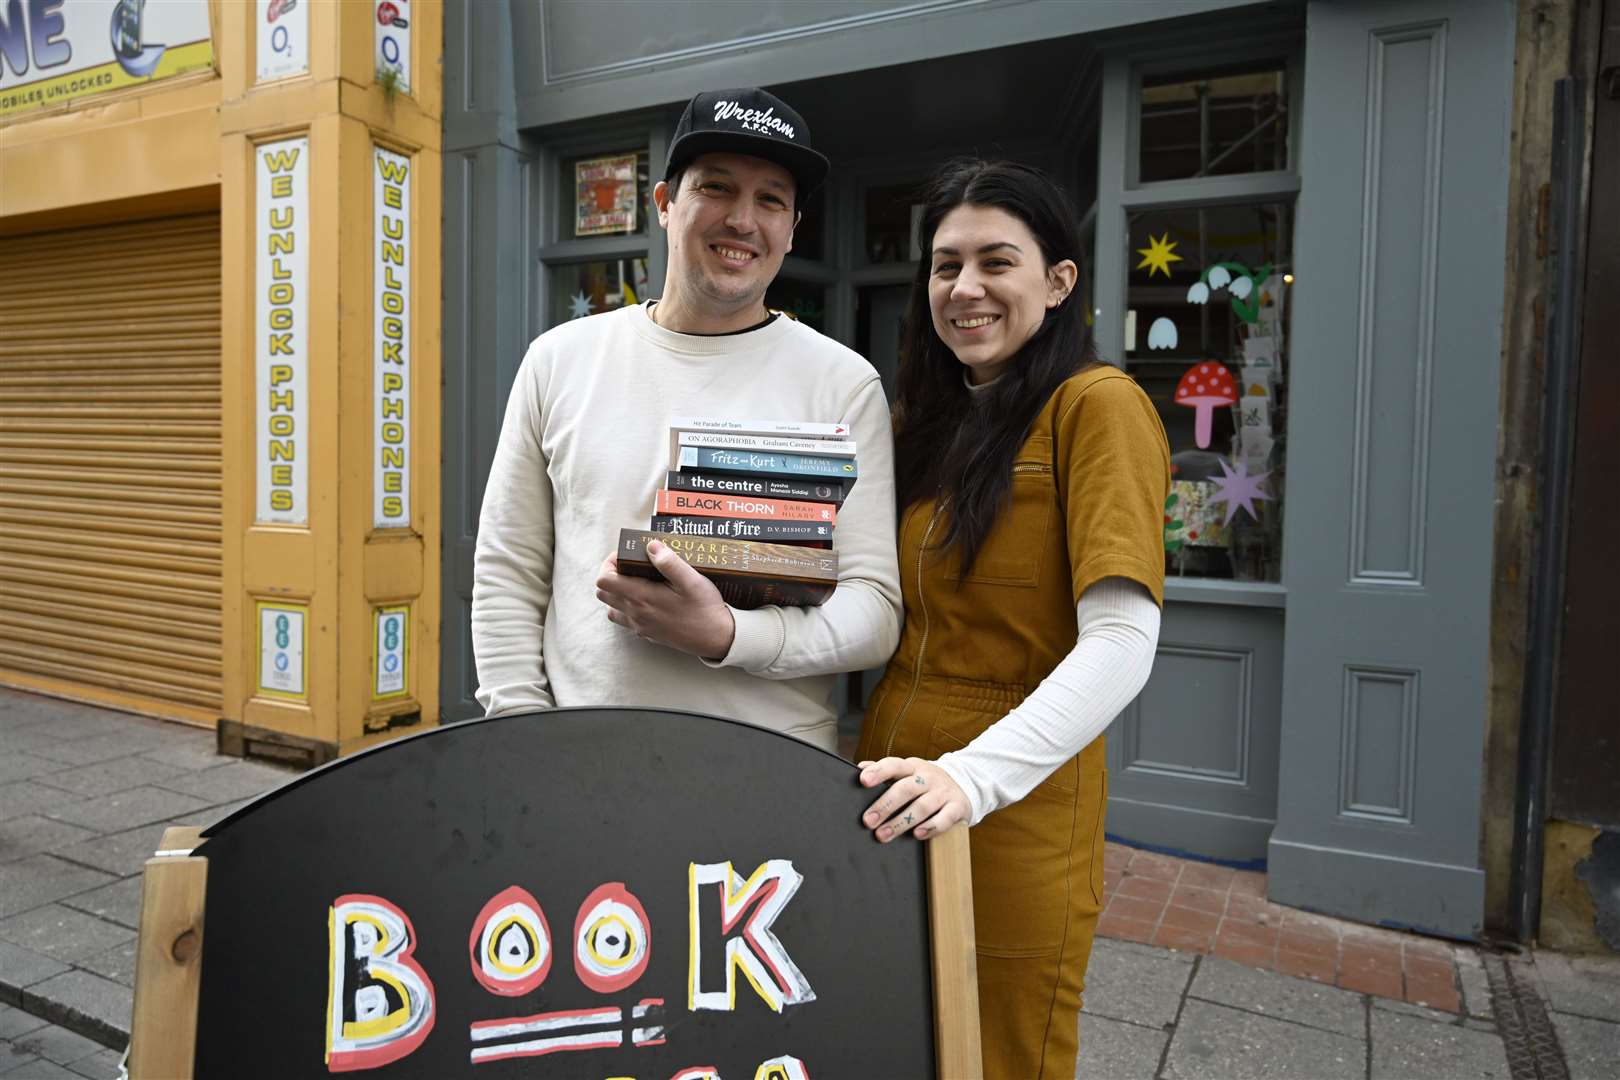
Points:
584	447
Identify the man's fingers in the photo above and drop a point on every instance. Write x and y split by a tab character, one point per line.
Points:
676	570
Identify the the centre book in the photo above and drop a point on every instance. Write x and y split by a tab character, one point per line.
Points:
752	505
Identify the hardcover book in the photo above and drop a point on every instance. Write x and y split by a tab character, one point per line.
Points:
802	466
764	487
748	574
728	528
742	506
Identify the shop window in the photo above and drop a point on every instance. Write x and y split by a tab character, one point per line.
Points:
1214	123
803	300
603	194
590	288
1206	335
809	236
890	222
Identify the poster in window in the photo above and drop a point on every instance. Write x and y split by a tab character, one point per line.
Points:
605	195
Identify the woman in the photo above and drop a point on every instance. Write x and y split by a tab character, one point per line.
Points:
1031	479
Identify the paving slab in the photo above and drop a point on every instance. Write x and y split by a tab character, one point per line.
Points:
108	777
204	819
228	783
1117	1050
22	765
137	806
62	933
1135	983
1433	1016
1212	1042
65	726
56	1043
191	750
89	1004
1406	1046
11	1058
20	798
119	743
40	1069
1584	985
1591	1047
21	968
15	1022
102	1065
1300	1000
121	854
1475	986
41	879
15	739
30	835
119	902
117	963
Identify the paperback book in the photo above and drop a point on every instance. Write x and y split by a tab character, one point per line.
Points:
742	506
747	574
799	466
764	487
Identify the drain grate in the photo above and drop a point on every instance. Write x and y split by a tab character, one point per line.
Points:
1532	1046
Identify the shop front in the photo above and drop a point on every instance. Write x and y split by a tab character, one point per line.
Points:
1297	215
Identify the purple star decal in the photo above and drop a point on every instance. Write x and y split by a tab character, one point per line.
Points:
1238	489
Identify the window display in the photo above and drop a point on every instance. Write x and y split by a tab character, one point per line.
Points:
603	194
1214	123
590	288
1206	332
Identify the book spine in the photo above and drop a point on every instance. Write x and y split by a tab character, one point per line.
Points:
771	532
733	506
796	429
768	444
802	466
736	556
763	487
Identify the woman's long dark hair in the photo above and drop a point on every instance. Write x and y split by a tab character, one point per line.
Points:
961	446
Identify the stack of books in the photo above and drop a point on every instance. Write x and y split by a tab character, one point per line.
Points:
751	505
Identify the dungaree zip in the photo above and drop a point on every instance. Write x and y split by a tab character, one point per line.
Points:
922	646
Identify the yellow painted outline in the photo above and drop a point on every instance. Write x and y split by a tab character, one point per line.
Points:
596	928
377	617
493	951
382	1025
259	608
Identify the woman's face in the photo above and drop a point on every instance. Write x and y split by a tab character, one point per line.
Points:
989	287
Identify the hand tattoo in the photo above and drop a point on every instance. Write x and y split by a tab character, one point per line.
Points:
919	780
908	819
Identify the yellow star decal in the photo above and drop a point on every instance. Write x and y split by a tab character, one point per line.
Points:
1158	255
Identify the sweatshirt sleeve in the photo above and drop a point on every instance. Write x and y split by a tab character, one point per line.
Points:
512	562
858	626
1106	669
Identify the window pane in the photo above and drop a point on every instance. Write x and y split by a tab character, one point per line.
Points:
809	240
581	289
888	222
800	299
602	194
1214	123
1206	335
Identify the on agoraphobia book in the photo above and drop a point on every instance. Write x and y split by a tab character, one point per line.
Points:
766	487
692	502
711	459
768	444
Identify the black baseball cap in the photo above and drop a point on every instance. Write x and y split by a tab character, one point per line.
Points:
748	121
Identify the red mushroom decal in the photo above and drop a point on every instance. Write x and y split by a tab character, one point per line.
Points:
1205	386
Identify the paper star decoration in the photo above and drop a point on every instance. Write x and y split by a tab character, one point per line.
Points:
579	306
1158	255
1238	489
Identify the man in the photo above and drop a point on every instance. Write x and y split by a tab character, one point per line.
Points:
585	445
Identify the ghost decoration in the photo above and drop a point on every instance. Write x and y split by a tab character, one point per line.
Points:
1198	294
1162	334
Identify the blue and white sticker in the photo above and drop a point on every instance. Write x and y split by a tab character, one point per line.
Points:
281	650
391	634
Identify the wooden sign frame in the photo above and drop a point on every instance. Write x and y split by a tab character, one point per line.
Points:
168	965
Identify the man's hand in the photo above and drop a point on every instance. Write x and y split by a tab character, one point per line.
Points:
923	800
683	612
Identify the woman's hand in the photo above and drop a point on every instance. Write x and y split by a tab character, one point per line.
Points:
923	800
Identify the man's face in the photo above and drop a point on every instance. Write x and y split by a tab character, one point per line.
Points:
729	226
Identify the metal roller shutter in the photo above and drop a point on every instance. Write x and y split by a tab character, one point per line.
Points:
110	464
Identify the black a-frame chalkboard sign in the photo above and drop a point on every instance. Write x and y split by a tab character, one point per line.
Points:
579	893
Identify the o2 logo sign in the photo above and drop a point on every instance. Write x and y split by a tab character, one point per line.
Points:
283	46
393	41
380	1006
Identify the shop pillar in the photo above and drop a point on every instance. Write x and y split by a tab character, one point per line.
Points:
330	189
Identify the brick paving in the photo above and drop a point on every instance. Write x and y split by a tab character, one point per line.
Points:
1183	904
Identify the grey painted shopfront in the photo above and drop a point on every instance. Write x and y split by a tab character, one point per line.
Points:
1313	195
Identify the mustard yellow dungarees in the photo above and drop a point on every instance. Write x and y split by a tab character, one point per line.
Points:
1088	492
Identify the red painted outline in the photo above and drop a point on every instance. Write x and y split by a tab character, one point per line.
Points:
607	984
514	894
352	1060
608	1039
